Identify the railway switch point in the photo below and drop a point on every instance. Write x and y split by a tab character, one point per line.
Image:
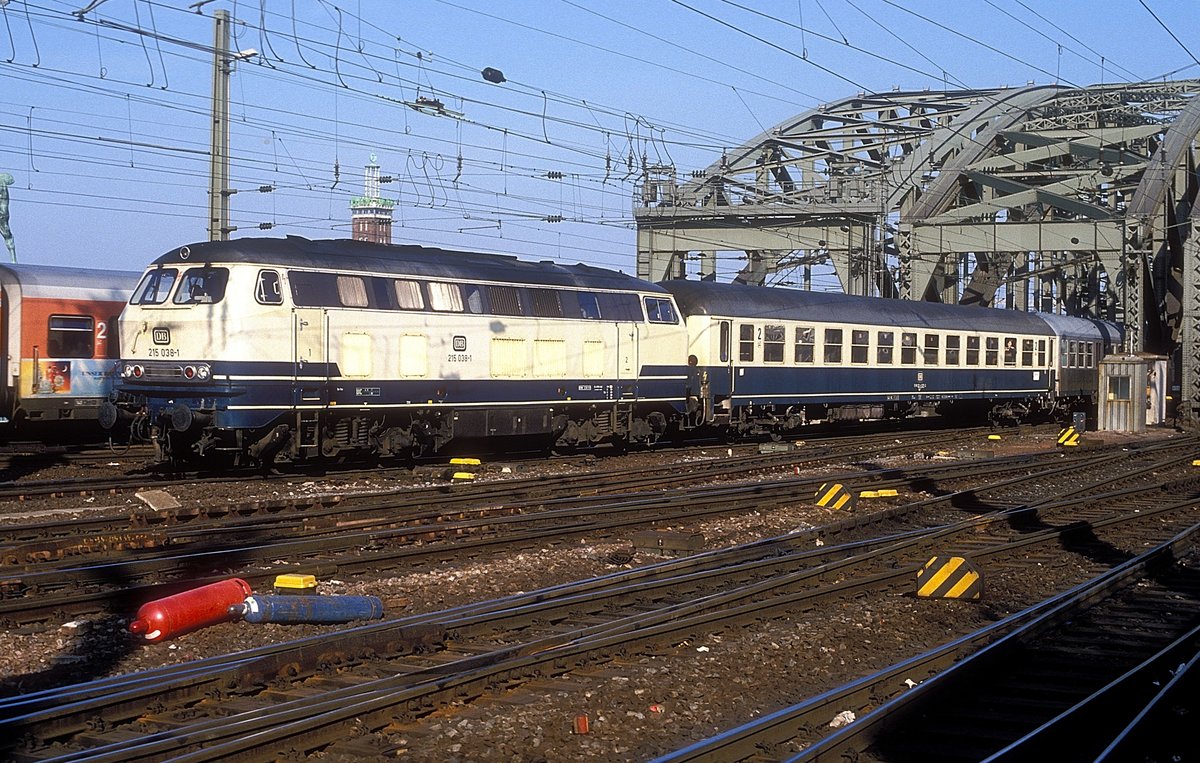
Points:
949	577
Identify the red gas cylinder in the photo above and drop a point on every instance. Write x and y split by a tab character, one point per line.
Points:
189	610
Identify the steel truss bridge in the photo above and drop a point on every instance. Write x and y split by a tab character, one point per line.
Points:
1068	200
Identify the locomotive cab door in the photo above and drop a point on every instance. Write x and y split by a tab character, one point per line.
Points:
310	371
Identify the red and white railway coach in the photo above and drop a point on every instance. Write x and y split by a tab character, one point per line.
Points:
58	340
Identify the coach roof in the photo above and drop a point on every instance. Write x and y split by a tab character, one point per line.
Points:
768	303
347	255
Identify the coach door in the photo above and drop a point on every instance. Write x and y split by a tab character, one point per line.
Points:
310	353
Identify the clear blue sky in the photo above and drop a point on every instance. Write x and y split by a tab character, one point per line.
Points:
104	120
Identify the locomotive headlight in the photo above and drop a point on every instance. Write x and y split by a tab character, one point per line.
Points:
189	372
134	370
202	372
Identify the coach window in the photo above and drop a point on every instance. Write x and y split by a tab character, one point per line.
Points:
1072	354
659	310
1027	352
71	336
833	345
774	338
725	341
860	340
267	292
972	351
885	344
993	350
155	287
546	303
746	342
408	294
908	348
1010	350
505	300
952	349
1090	355
445	297
929	354
1041	353
806	341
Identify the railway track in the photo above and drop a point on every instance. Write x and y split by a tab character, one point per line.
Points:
115	569
326	693
1102	672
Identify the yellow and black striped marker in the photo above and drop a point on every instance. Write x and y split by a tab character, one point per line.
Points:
834	495
949	577
1068	438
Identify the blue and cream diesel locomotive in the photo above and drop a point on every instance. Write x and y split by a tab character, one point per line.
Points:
290	348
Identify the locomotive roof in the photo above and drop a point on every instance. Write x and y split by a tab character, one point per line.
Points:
74	283
764	303
411	260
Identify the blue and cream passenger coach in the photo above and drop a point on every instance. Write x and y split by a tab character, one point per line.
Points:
772	359
305	348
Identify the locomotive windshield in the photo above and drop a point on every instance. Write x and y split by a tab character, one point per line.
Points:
203	285
154	287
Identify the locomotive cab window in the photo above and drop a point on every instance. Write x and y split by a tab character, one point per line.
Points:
589	306
806	341
773	342
202	286
659	310
71	336
833	345
155	287
860	340
746	343
885	345
268	291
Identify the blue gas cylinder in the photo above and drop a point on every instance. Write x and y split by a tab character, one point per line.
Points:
289	608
